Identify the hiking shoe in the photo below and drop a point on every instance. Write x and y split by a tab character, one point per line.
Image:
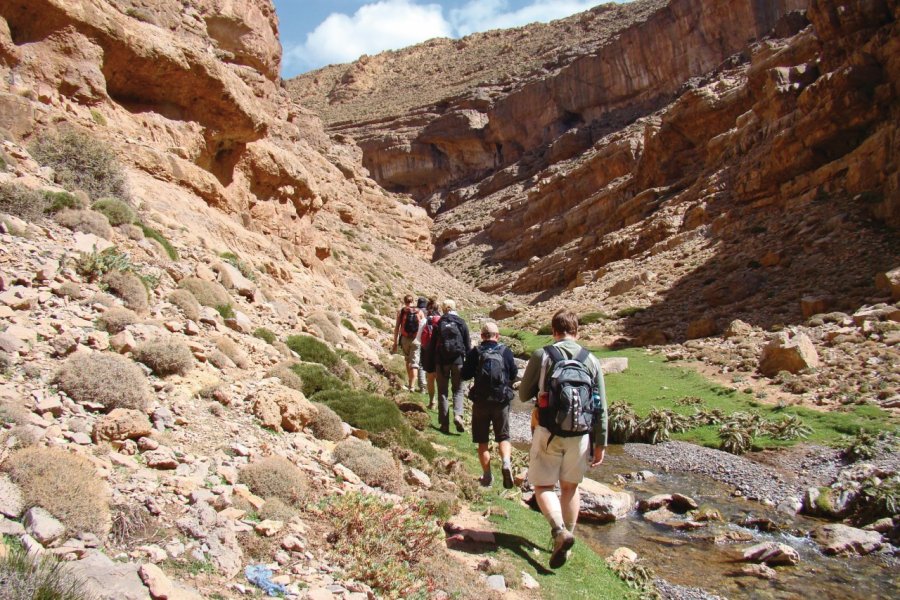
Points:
507	476
459	423
486	480
562	543
445	429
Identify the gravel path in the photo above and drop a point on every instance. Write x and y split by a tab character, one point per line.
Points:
670	591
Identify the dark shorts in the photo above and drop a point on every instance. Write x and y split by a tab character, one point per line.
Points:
488	414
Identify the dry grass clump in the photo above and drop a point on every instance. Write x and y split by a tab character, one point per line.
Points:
118	212
28	577
82	162
129	287
373	465
64	484
327	425
132	525
259	548
277	477
69	289
284	372
104	378
132	232
116	319
85	221
165	356
207	293
229	348
277	510
22	202
186	303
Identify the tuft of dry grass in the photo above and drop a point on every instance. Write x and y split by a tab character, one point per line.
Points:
129	287
207	293
23	202
276	476
105	378
257	547
64	484
288	377
165	356
186	303
116	319
276	509
229	348
327	425
373	465
69	289
85	221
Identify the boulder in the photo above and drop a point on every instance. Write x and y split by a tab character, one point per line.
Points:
702	328
109	580
602	504
791	352
505	310
43	526
813	305
240	323
417	478
122	424
11	501
615	364
232	279
772	554
838	539
889	282
282	408
737	328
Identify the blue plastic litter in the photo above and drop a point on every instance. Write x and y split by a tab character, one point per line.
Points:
261	577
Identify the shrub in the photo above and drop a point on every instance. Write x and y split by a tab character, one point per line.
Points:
284	372
373	465
96	264
97	117
226	311
64	484
81	162
629	312
312	350
316	379
166	244
57	201
27	577
545	330
105	378
277	477
348	325
117	211
266	335
327	425
69	289
85	221
129	287
276	509
132	232
20	201
229	348
259	548
116	319
207	293
187	303
132	524
165	356
593	317
243	267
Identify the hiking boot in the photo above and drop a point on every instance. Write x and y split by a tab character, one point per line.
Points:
562	543
486	480
460	427
506	470
445	429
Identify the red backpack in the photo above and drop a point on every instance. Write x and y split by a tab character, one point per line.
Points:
428	330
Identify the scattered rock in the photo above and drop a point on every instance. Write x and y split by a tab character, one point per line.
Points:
791	352
771	553
108	580
122	424
838	539
43	526
11	501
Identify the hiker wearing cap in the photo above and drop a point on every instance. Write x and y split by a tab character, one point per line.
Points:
493	367
446	352
407	329
567	382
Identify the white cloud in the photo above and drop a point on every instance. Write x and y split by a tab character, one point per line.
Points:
384	25
482	15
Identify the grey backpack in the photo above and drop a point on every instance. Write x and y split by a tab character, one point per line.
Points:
570	387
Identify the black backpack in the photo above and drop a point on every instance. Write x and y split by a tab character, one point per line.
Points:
452	345
491	381
570	387
410	323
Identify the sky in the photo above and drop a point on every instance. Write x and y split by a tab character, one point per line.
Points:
315	33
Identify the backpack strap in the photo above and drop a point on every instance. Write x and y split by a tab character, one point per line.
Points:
583	356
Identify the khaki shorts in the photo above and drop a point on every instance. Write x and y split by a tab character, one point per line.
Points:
564	459
411	351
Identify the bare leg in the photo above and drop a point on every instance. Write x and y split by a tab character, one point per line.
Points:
571	504
484	457
548	502
505	450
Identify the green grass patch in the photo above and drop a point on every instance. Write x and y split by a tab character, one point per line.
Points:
267	335
348	325
312	350
154	234
317	379
593	317
226	311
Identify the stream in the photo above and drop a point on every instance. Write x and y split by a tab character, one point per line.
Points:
694	559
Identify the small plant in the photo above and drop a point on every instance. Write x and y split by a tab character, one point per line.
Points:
129	287
864	446
104	378
20	201
132	524
117	211
790	427
116	319
327	425
226	311
637	577
689	401
207	293
155	235
64	484
229	348
278	477
81	162
165	356
312	350
27	577
267	335
187	303
878	498
98	118
85	221
659	426
623	422
315	379
545	330
276	509
95	265
57	201
593	317
243	267
629	312
348	325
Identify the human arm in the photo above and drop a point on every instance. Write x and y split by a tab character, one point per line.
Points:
470	365
396	336
599	433
509	362
528	388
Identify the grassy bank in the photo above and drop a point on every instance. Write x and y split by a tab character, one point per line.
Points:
650	383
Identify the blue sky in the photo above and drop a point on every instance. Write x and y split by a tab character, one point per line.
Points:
315	33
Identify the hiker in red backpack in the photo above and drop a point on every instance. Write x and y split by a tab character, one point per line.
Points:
407	329
447	349
432	316
567	382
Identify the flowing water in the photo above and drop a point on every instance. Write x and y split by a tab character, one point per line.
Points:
694	559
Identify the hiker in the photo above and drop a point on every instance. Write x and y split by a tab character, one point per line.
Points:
493	367
567	382
407	330
432	317
447	349
422	305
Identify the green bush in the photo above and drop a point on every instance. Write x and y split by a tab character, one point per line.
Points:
57	201
20	201
98	118
186	302
104	378
226	311
316	378
327	425
27	577
85	221
155	235
129	287
207	293
545	330
348	325
266	335
276	476
312	350
593	317
284	372
629	312
117	211
81	162
165	356
377	415
97	264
